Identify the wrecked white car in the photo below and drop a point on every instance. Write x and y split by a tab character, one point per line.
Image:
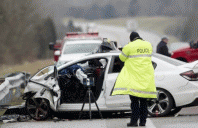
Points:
62	90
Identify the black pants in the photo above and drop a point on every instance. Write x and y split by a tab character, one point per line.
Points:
139	109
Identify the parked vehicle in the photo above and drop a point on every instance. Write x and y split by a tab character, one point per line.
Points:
76	45
176	82
188	53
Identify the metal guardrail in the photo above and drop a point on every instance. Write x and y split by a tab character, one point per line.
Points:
10	87
2	80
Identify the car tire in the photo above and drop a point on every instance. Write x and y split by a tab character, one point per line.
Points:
162	105
38	108
175	111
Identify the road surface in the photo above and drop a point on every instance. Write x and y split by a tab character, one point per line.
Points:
121	35
187	118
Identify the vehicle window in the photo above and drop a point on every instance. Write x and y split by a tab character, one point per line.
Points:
45	71
87	66
169	60
117	65
86	46
79	48
154	64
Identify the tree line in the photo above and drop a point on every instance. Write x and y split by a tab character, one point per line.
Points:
24	33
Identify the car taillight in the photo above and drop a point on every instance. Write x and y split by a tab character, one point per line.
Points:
190	75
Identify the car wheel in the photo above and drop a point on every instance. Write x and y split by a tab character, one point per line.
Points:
162	105
38	108
175	111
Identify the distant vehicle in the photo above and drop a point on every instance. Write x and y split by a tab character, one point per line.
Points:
188	53
74	41
76	45
131	25
176	83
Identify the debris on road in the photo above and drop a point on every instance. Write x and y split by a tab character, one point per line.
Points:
14	118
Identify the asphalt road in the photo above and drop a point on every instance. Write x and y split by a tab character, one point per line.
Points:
187	118
121	35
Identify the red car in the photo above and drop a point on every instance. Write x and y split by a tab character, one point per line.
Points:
187	54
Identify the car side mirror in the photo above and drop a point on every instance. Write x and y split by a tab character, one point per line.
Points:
55	72
57	53
51	45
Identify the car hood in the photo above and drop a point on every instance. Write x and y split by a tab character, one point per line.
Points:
69	57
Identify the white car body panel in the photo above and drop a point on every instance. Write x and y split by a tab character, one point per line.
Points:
167	77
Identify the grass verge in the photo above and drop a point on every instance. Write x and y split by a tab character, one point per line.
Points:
30	67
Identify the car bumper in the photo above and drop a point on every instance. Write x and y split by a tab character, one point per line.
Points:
187	95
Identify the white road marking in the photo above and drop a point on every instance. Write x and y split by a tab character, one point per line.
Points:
149	124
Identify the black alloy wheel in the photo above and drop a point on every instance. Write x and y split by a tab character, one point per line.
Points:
38	108
162	105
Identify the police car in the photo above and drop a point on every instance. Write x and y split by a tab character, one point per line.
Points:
76	45
47	91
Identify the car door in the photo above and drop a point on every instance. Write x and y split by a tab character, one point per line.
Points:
114	70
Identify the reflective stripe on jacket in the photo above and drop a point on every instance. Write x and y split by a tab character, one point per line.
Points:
137	76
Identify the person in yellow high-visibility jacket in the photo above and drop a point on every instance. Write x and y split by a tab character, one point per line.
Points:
136	78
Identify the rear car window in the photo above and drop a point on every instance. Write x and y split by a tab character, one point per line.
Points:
169	60
117	65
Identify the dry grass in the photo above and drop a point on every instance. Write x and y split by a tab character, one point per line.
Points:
30	67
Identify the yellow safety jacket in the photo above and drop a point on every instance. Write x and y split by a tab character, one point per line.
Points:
137	76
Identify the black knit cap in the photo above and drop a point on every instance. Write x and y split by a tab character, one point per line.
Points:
134	35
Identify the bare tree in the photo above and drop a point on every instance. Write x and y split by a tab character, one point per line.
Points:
18	23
